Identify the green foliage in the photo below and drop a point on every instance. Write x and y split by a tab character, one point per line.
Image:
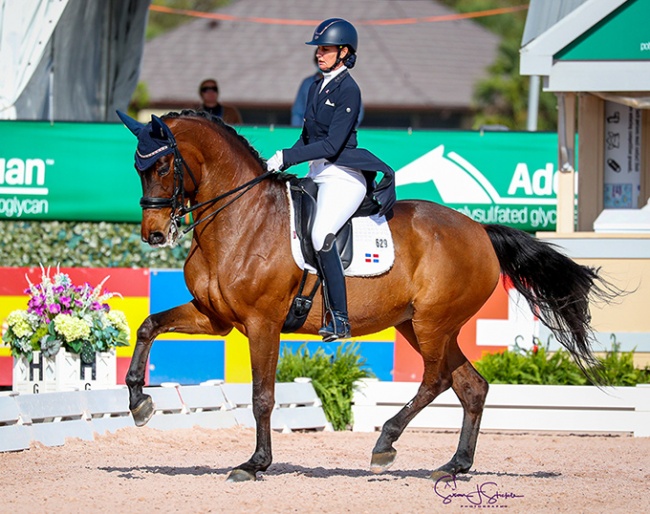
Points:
533	366
159	22
333	378
84	244
618	368
539	366
502	98
139	99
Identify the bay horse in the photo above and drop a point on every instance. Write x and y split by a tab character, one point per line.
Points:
241	274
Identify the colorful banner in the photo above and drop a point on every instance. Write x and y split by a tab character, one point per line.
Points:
80	171
191	359
503	321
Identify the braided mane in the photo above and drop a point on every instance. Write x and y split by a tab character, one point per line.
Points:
224	126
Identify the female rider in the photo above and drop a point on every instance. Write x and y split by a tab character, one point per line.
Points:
343	173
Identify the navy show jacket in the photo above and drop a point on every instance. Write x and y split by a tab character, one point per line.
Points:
329	133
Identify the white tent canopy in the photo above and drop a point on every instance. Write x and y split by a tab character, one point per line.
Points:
24	33
69	59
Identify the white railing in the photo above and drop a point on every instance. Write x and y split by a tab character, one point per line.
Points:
577	409
51	417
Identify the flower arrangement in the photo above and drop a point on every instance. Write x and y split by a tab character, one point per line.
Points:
62	315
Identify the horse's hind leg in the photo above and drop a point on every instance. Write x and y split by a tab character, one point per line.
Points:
436	379
185	318
471	389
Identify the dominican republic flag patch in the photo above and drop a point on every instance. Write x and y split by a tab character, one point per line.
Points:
372	257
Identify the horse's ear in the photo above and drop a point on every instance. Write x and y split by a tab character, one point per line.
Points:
158	128
133	125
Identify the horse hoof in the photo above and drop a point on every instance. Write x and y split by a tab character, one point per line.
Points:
143	412
239	475
380	462
440	475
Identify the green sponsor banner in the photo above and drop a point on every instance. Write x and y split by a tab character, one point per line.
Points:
508	178
621	36
80	171
67	171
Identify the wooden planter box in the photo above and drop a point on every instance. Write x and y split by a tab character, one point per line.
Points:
64	372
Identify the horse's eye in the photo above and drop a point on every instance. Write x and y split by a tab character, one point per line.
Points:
162	170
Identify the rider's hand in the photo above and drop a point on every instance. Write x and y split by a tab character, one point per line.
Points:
276	162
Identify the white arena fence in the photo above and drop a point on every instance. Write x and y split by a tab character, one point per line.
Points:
572	409
49	418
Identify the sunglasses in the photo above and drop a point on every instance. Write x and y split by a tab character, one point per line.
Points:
205	89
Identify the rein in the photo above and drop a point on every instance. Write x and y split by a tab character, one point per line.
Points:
179	209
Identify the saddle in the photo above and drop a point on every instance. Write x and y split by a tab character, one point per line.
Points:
304	192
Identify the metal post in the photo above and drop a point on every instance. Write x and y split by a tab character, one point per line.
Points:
566	205
533	103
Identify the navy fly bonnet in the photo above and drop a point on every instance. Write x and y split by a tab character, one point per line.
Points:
154	140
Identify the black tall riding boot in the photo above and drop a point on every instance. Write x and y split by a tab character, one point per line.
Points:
334	295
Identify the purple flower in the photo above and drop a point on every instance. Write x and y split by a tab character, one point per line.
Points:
96	306
65	301
36	305
78	303
55	308
106	307
39	311
37	300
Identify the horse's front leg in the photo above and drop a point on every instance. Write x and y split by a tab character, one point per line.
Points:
264	359
186	319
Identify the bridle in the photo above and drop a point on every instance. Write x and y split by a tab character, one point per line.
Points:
178	202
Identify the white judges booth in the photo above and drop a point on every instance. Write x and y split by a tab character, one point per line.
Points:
595	56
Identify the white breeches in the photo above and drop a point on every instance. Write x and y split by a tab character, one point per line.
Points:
340	193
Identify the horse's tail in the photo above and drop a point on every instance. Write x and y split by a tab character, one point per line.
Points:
556	288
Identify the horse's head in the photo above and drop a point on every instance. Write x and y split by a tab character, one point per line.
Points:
167	180
192	162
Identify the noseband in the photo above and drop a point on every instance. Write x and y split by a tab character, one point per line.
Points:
179	199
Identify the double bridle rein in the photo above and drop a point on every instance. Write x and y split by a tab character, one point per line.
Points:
178	202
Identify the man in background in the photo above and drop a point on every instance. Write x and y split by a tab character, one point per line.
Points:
209	93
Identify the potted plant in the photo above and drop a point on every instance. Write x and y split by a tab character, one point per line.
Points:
66	337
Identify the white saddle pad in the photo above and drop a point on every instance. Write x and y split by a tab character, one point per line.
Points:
373	249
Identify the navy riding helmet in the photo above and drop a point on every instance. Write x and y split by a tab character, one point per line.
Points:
337	32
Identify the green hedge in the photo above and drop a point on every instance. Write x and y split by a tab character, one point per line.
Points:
539	366
84	244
